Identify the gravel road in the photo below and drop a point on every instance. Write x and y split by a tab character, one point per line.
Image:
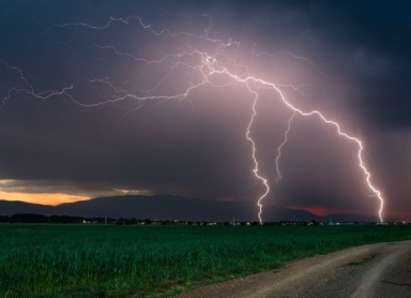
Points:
378	270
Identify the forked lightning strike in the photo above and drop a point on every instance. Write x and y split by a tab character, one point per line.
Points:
208	67
336	125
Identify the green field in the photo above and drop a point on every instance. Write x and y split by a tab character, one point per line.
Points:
151	261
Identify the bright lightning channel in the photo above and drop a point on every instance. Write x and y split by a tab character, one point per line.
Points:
256	169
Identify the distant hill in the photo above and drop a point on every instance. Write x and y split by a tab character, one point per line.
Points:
16	207
161	207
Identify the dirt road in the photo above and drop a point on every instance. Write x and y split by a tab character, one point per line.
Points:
379	270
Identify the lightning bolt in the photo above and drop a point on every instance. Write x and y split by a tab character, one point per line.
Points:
209	67
256	169
281	146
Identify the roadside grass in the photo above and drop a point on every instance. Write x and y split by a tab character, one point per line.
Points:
62	261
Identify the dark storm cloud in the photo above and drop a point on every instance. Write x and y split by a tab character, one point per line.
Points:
358	72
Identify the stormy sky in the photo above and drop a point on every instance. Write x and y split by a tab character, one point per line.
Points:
348	59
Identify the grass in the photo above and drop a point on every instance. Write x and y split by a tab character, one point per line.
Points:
157	261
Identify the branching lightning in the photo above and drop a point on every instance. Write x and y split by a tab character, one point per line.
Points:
29	89
210	68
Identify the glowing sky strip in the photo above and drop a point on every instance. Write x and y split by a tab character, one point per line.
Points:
208	67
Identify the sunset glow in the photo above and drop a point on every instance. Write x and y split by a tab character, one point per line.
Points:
42	198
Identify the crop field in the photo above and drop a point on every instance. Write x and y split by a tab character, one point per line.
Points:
158	261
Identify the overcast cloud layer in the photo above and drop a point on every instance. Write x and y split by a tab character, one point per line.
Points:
350	59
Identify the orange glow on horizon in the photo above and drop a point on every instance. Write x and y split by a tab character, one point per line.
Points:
42	198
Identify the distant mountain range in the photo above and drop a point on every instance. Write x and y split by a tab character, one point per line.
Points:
162	207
